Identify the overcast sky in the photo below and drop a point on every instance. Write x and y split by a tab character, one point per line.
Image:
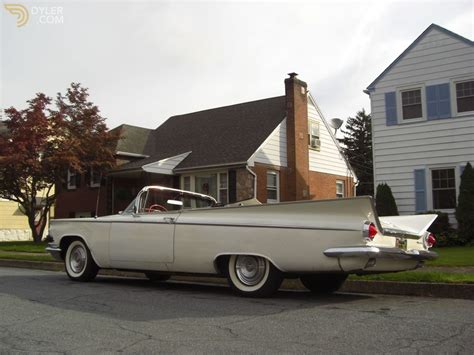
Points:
146	61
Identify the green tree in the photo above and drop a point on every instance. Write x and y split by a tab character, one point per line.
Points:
357	146
465	207
385	202
41	142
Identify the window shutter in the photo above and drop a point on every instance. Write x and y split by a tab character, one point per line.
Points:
232	186
438	101
390	108
420	190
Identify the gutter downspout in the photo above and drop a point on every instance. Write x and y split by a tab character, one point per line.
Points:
254	181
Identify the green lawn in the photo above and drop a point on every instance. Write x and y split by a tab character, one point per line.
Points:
419	276
453	256
23	247
24	256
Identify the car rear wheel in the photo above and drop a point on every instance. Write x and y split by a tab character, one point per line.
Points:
155	276
323	283
79	263
253	276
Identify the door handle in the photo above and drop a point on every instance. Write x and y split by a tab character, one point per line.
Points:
169	220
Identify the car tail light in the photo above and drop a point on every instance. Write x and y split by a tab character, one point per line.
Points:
369	231
430	240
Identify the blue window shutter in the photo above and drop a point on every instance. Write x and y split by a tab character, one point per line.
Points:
391	108
444	108
420	190
438	101
432	102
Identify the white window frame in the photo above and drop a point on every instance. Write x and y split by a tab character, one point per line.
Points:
310	136
92	183
429	184
71	174
277	187
423	117
192	177
341	183
453	94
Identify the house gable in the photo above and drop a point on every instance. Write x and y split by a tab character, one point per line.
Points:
273	151
329	158
435	39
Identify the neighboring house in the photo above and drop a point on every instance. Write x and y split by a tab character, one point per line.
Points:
423	121
81	194
276	149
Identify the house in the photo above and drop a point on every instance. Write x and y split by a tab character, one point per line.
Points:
423	121
275	149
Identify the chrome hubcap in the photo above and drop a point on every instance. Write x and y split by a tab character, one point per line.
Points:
78	259
250	269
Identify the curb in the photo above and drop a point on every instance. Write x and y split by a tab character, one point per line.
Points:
420	289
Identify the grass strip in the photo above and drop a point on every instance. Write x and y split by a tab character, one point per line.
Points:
453	256
28	257
410	276
24	247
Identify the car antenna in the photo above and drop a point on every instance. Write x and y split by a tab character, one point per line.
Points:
98	196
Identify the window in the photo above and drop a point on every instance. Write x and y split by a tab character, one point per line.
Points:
95	178
223	188
214	184
273	193
411	104
339	188
444	188
314	141
71	179
465	96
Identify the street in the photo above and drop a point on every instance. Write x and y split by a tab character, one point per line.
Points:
43	311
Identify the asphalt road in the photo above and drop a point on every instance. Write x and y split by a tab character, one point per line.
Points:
42	311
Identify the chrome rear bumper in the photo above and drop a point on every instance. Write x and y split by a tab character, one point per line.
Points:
380	252
54	250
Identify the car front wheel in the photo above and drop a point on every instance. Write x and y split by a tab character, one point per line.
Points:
323	283
79	263
253	276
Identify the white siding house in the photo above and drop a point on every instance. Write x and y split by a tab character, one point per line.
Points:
422	109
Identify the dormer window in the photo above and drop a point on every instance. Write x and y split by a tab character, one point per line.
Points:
465	96
411	104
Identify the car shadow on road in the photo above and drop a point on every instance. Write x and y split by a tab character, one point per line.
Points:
136	299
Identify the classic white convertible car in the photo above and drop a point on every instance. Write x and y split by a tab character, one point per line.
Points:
167	231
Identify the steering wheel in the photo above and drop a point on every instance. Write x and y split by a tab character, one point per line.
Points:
156	208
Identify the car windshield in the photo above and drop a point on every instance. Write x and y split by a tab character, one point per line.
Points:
162	200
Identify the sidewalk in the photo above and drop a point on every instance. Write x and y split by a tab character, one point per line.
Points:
423	289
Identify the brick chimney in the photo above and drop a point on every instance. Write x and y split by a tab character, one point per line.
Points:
297	138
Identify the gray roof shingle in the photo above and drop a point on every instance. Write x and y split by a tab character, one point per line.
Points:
218	136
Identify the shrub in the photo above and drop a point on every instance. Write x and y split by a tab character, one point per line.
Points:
441	228
384	201
465	207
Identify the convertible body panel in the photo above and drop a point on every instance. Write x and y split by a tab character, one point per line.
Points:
296	237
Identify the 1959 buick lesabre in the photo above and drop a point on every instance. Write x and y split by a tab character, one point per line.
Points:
167	231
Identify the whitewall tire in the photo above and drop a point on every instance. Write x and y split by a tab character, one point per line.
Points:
253	276
79	264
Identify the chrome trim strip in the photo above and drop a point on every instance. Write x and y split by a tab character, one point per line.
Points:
81	220
379	252
55	251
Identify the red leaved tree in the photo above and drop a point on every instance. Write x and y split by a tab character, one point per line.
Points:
43	141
